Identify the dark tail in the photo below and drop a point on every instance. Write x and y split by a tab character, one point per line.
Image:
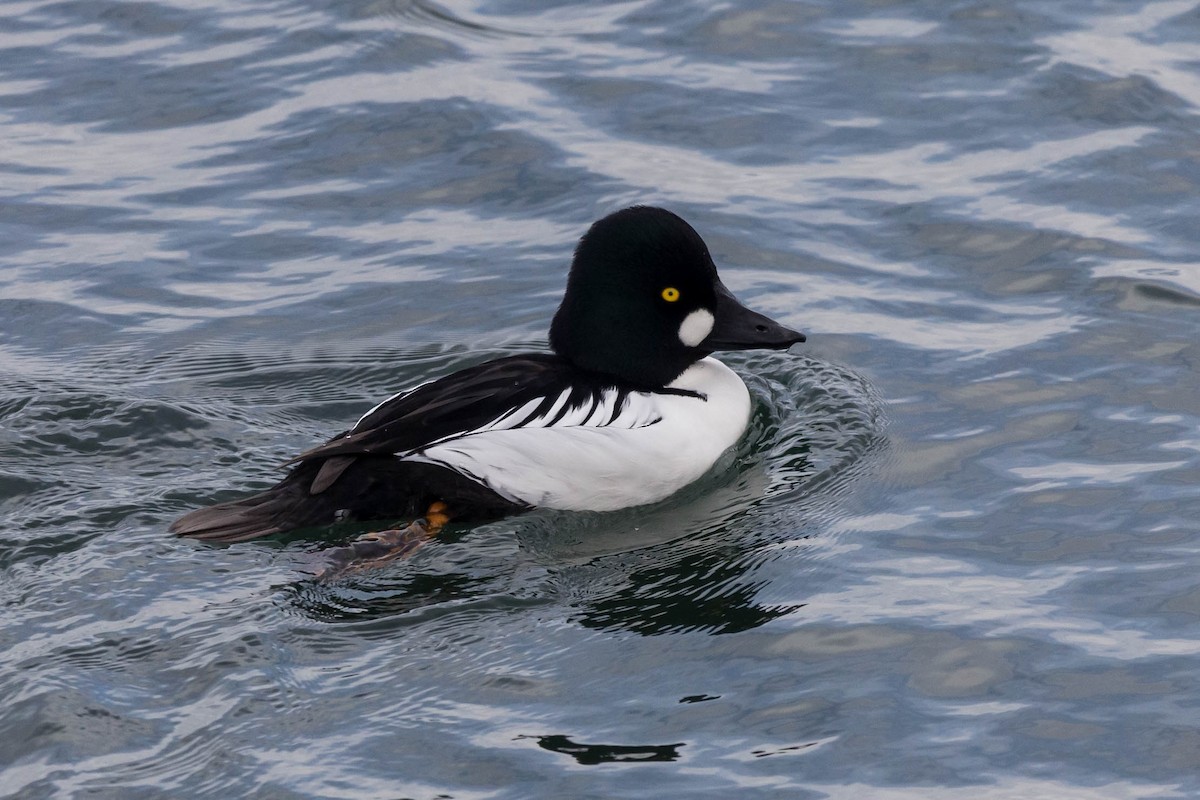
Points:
278	509
373	488
294	502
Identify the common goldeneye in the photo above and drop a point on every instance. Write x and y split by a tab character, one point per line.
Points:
629	408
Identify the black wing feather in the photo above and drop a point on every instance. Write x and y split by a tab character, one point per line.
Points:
461	402
355	473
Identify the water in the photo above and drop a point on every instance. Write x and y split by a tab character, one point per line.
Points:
956	556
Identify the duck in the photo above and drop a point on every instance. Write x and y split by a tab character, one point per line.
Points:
627	408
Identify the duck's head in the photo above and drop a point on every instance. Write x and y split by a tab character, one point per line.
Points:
644	302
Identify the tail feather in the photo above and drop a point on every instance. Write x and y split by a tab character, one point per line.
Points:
238	520
285	506
365	488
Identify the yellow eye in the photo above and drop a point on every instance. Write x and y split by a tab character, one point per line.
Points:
670	294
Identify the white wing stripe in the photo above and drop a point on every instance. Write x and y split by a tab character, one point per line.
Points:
521	413
396	396
559	403
607	408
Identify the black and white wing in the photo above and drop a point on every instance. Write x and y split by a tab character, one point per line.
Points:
528	391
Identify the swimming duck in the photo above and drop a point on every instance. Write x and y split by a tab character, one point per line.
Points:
628	408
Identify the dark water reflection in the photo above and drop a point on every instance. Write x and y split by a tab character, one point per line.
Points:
957	553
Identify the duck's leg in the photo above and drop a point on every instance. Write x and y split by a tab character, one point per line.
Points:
378	547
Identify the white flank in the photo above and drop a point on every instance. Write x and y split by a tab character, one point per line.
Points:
696	326
607	457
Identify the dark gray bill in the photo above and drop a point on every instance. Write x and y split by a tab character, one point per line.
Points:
739	328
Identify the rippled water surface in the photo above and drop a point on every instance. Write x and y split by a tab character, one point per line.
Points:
958	555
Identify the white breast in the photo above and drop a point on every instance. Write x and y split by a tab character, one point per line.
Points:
655	445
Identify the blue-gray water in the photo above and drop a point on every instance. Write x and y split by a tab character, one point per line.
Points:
957	556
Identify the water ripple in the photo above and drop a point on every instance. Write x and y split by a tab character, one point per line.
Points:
959	543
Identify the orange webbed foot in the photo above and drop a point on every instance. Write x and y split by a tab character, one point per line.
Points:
379	547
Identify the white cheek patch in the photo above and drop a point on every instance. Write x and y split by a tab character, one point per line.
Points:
696	326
